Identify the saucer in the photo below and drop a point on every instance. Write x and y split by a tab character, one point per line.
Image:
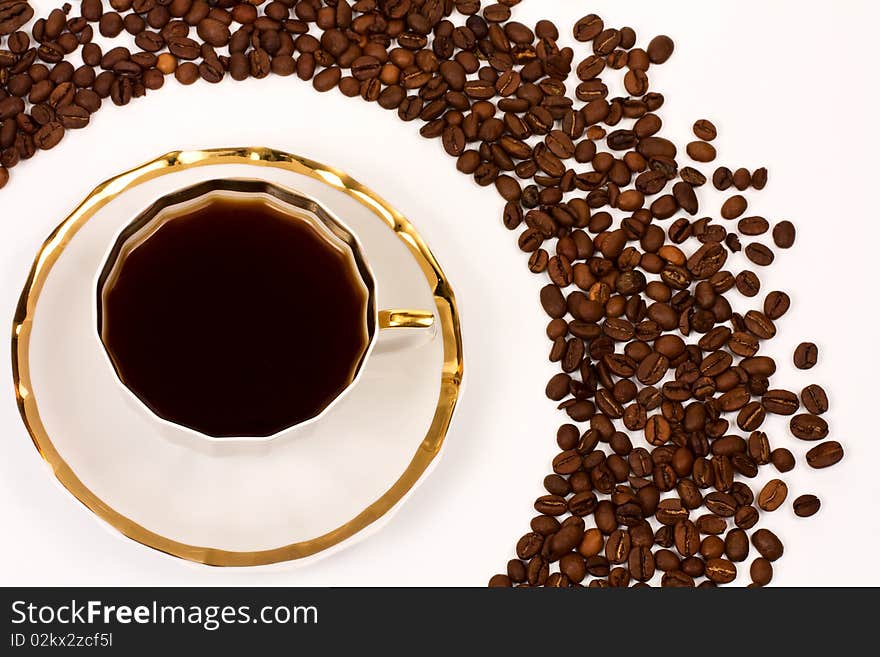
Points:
235	503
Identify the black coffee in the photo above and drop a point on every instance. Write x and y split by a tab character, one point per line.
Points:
235	319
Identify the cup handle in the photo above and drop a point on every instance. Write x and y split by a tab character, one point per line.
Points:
405	318
420	327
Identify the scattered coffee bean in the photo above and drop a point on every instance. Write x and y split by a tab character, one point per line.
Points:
734	207
759	254
805	355
783	234
742	179
773	495
660	49
768	544
806	505
825	454
776	304
759	178
701	151
808	427
761	571
705	130
814	399
722	179
782	459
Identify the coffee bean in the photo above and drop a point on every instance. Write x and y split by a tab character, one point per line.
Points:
768	544
746	517
720	571
13	15
752	226
806	505
558	387
499	581
781	402
759	254
73	117
529	545
551	505
783	234
692	177
825	454
736	545
660	49
701	151
761	571
49	135
553	301
776	304
808	427
186	73
814	399
759	178
772	495
705	130
214	32
782	459
734	207
747	283
805	355
722	179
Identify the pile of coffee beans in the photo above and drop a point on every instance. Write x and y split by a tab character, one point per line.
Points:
666	386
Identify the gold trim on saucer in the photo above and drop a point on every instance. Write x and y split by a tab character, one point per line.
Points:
176	161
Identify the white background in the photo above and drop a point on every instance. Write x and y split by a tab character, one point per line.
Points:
790	85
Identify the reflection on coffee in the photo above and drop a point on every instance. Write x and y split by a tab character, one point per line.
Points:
235	319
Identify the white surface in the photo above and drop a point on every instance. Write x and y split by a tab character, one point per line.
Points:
248	494
789	87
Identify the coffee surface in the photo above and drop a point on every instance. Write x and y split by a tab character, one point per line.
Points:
235	320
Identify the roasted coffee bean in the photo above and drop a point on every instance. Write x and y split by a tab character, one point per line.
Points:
782	459
692	177
783	234
720	571
814	399
13	15
759	254
768	544
551	505
736	545
807	426
701	151
734	207
806	505
746	517
660	49
742	179
825	454
687	538
781	402
805	355
759	178
776	304
722	179
705	130
761	571
752	226
49	135
772	495
747	283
